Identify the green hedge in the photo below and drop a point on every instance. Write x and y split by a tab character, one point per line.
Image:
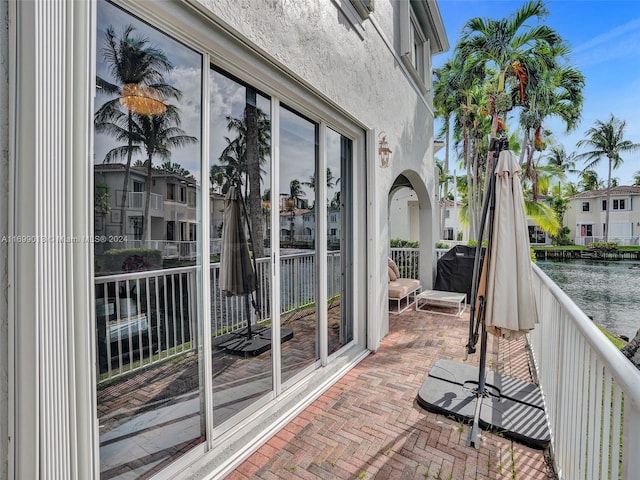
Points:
130	260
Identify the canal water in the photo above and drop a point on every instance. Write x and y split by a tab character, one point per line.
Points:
607	291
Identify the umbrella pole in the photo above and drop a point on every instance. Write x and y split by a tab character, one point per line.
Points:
254	301
490	202
248	311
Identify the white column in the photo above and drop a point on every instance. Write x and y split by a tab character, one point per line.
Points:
51	409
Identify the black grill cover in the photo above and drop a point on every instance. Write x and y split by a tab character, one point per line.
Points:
455	270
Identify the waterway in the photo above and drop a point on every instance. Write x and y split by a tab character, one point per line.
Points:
607	291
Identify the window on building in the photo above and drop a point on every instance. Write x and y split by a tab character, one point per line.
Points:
171	191
363	7
171	230
414	45
447	213
418	42
619	204
536	235
604	205
585	206
135	226
448	233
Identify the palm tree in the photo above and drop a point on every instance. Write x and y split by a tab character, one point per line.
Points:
508	45
554	91
331	181
561	160
636	179
589	180
501	51
137	69
159	134
242	159
176	168
295	193
446	99
606	139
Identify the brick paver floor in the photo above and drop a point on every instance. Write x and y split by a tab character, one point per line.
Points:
369	425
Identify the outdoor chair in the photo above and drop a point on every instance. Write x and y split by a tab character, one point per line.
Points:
402	291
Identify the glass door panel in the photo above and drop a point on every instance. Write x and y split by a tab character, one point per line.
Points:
240	199
339	161
148	338
297	201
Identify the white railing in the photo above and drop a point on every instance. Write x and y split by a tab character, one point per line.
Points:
147	317
137	200
591	391
143	318
621	241
183	250
407	261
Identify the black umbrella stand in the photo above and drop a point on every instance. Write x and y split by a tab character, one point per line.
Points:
252	341
470	394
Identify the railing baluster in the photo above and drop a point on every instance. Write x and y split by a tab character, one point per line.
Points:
606	427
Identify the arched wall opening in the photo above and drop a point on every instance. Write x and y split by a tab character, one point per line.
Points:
411	217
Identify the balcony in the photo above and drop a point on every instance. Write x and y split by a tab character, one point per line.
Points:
156	203
369	420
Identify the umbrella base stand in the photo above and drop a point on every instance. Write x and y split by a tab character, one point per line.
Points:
510	406
237	343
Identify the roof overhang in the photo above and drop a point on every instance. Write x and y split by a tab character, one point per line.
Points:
428	14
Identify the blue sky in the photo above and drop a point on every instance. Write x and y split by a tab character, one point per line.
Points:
604	37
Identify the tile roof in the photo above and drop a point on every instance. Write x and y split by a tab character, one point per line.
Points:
620	190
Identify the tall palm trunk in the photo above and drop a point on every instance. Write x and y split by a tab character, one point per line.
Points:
146	220
253	172
125	183
446	173
470	186
606	213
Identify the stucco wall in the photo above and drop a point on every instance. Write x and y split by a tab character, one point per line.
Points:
4	212
357	68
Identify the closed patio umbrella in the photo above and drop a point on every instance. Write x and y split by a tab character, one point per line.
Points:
503	304
510	301
237	275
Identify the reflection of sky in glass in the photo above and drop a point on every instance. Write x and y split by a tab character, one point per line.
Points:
333	162
297	152
227	99
185	76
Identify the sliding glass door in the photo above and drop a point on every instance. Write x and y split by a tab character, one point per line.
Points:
213	202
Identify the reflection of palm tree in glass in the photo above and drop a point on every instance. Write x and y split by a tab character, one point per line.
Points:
241	161
176	168
331	181
137	69
295	194
159	134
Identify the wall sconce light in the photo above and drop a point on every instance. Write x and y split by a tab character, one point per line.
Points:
384	152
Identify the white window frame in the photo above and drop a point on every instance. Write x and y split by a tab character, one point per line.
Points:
419	68
586	206
619	204
61	384
277	82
